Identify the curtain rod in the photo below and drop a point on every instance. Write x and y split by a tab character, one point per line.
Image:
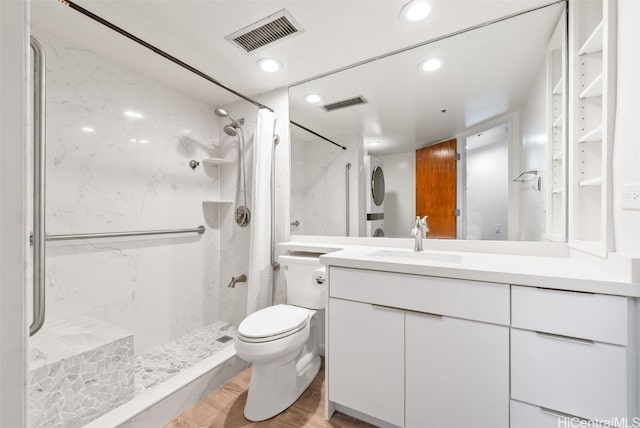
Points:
316	134
160	52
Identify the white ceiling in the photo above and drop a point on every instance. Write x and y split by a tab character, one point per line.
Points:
337	34
487	72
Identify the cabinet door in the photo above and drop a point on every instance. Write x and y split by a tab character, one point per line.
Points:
457	373
366	359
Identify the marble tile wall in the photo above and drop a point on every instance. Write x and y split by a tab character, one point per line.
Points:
319	186
119	144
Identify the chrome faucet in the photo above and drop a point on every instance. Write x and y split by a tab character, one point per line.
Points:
419	231
237	279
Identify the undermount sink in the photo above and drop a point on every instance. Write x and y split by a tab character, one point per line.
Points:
416	255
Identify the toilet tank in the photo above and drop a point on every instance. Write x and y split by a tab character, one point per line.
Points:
302	288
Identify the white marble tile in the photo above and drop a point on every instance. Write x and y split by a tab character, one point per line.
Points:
107	171
318	186
62	339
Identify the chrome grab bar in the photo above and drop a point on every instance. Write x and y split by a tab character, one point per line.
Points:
39	165
347	167
275	265
199	230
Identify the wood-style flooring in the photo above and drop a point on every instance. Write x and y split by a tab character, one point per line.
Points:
224	408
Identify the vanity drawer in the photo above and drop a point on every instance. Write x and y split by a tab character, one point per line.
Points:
523	415
582	378
589	316
473	300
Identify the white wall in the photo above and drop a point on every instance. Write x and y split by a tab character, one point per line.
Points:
626	147
487	191
400	194
14	43
234	240
533	155
130	174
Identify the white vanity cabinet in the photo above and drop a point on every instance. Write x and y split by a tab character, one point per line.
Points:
570	355
418	351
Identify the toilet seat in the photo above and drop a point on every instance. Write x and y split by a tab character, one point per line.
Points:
272	323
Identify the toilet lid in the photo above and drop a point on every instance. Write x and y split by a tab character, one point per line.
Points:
273	321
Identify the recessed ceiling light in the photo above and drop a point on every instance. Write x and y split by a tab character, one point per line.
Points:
313	98
88	130
415	10
373	143
133	114
269	65
432	64
143	141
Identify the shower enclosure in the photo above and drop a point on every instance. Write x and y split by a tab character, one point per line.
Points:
129	246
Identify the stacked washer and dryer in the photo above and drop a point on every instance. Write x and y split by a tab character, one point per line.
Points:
374	197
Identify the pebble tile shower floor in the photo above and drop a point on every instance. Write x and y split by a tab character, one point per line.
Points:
158	364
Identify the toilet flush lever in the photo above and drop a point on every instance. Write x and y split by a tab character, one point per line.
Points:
237	279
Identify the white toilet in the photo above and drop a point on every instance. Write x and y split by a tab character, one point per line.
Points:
282	341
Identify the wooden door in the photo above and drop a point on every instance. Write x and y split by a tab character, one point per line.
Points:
436	188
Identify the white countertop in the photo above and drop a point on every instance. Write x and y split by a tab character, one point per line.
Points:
565	273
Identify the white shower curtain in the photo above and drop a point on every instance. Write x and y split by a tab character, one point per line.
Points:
260	272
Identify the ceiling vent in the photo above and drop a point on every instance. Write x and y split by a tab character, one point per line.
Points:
273	28
345	103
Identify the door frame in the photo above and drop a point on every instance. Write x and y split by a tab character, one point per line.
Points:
511	119
14	107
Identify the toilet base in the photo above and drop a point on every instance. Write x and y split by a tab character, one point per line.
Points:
276	386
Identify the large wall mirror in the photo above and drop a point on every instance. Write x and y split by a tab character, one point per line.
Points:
469	130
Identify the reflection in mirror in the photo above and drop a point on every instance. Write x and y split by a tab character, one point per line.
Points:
476	144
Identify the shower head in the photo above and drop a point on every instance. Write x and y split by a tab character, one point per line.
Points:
230	130
223	113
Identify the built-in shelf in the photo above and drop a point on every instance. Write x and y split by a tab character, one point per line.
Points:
593	43
216	161
218	202
592	182
557	89
593	135
593	89
558	122
558	157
